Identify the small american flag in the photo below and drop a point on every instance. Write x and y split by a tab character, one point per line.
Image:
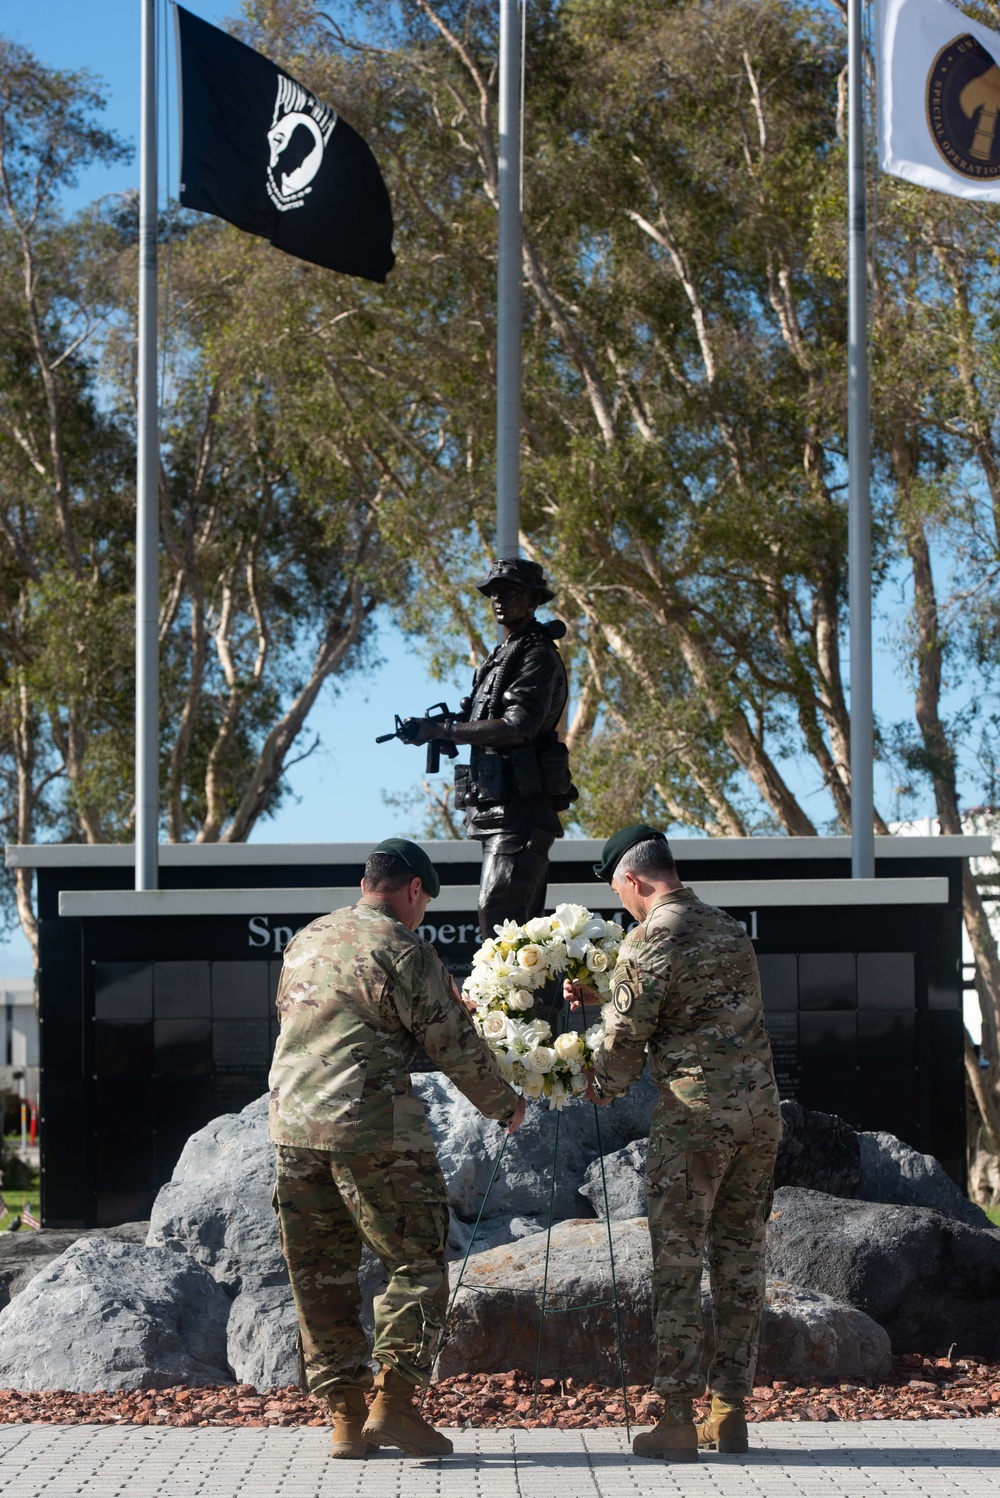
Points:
28	1218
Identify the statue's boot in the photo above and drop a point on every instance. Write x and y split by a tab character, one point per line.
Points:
674	1438
393	1420
725	1429
350	1410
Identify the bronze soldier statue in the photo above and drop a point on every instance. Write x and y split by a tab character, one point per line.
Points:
518	779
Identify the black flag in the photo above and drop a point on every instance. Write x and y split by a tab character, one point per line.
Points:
262	152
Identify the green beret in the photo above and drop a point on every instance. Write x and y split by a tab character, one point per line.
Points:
417	860
616	847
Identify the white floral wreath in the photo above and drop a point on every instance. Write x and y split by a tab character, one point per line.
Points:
571	943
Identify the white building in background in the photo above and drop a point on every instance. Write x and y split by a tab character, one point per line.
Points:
18	1036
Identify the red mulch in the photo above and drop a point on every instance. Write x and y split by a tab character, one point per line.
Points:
919	1389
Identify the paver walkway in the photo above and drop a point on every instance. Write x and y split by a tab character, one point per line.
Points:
866	1459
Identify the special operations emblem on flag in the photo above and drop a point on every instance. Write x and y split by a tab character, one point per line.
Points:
963	108
298	136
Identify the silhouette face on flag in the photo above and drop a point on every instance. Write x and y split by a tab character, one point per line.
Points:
264	153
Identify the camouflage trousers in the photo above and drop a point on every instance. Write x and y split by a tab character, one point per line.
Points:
328	1206
718	1199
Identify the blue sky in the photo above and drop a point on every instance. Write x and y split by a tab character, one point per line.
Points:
337	792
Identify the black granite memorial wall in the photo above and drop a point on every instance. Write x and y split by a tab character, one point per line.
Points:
152	1025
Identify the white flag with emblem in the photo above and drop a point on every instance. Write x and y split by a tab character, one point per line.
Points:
939	98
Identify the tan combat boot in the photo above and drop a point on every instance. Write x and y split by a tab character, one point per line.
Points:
725	1429
393	1421
674	1438
350	1410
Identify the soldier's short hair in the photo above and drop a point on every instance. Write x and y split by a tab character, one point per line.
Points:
651	859
386	872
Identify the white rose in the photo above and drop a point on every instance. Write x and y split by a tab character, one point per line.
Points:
539	928
495	1025
568	1046
533	1085
537	1032
520	1000
486	952
530	956
541	1059
598	961
614	932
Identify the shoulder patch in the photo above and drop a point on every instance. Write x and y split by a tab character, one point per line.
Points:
623	996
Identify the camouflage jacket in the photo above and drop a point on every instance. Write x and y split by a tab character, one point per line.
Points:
358	994
686	984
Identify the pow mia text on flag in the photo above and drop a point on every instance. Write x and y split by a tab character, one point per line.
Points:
261	151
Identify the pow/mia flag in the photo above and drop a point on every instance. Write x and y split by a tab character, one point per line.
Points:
939	98
262	152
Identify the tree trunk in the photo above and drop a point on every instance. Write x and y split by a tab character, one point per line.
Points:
983	1080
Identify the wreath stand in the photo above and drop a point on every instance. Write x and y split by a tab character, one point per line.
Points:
545	1309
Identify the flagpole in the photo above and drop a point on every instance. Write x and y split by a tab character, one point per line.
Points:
509	287
147	529
859	525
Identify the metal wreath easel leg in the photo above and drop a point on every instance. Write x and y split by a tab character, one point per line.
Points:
591	1305
544	1309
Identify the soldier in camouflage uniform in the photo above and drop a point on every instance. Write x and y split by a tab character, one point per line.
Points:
359	992
686	987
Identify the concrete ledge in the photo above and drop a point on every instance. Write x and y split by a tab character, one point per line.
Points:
730	894
564	850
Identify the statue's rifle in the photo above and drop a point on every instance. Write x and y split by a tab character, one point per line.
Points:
406	731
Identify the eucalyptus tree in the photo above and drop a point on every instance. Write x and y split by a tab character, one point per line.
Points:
64	471
684	436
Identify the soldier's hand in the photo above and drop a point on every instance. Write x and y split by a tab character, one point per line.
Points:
517	1118
592	1095
467	1003
577	994
420	730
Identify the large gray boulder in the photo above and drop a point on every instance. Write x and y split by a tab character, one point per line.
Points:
262	1337
110	1315
893	1173
624	1177
818	1152
930	1281
217	1208
494	1325
805	1337
468	1144
217	1204
25	1254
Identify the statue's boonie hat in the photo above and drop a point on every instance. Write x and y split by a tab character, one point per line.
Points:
616	847
415	858
517	570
